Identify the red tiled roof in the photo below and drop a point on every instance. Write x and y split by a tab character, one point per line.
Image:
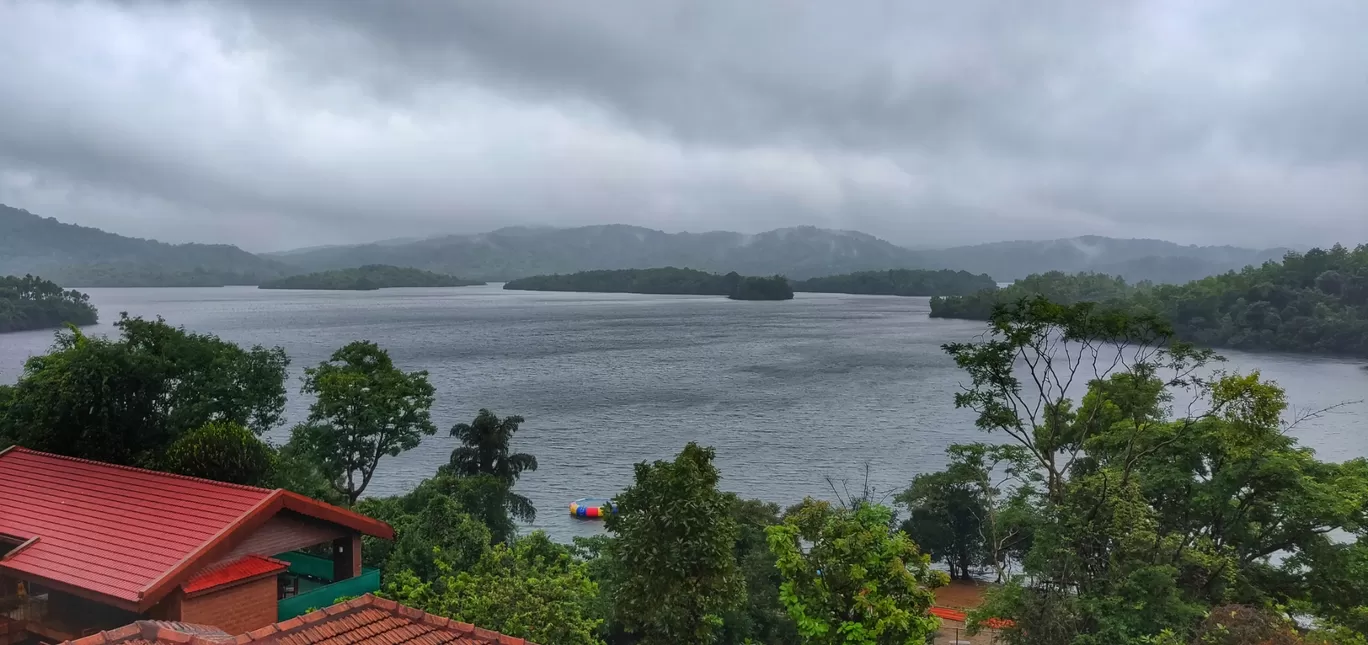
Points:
248	567
362	621
159	632
130	535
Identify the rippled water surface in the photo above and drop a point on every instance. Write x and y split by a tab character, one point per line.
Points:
789	393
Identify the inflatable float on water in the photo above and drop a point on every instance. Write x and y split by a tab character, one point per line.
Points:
592	507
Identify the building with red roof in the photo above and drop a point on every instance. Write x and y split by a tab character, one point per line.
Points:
361	621
87	546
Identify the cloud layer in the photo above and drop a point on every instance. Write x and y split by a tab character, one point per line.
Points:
280	124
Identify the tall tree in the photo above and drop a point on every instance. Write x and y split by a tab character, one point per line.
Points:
850	580
485	450
1148	518
127	399
675	538
366	408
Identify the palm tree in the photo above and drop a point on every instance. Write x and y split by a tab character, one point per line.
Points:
484	451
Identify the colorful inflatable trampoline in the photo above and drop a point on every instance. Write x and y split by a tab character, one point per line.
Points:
592	507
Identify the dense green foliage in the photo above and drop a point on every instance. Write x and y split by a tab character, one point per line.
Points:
675	540
1055	286
367	278
127	399
484	450
533	589
222	451
977	513
365	408
1145	521
34	303
900	282
415	518
79	256
763	618
667	280
848	579
1312	302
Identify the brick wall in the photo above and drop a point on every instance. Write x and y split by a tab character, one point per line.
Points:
237	610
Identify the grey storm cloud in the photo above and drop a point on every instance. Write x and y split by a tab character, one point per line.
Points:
274	124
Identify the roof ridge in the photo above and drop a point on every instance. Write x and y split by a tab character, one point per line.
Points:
149	471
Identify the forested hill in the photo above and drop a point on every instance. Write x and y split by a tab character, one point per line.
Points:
1135	260
663	281
34	303
1312	302
367	278
899	282
80	256
73	255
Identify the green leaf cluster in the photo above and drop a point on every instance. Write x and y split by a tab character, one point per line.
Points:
127	399
365	409
675	539
533	589
849	579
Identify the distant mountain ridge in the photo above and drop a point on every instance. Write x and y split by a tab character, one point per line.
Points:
799	253
509	253
80	256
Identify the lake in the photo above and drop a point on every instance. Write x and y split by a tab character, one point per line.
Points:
789	393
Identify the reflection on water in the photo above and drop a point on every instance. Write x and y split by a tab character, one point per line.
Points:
788	392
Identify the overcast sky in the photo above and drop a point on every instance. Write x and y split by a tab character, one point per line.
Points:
281	123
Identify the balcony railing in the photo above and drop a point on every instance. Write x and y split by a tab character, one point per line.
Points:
316	587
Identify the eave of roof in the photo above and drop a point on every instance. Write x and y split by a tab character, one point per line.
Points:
244	569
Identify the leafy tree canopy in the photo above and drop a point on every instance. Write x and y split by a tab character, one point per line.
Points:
125	400
1146	519
675	540
849	579
366	409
